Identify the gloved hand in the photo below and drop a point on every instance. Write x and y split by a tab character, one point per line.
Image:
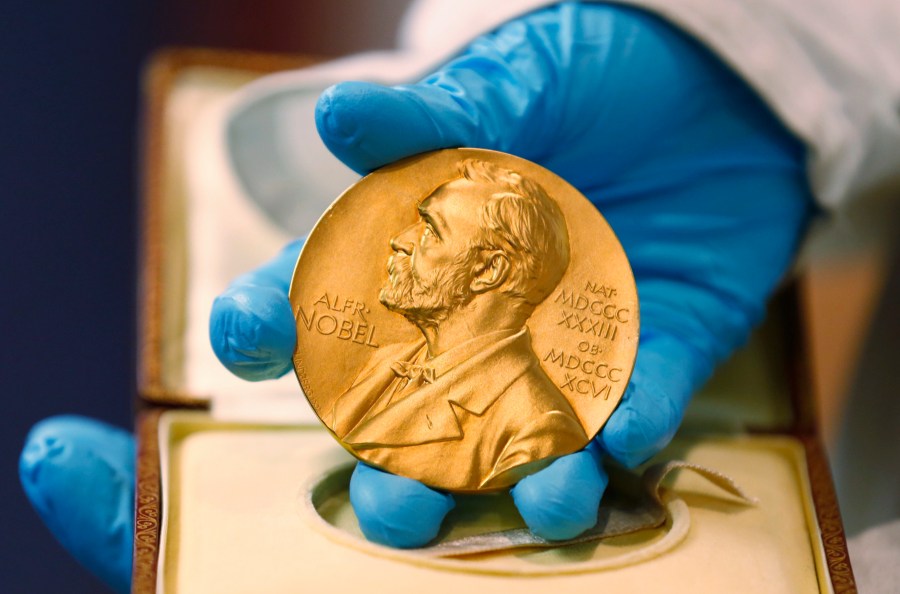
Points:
701	183
703	186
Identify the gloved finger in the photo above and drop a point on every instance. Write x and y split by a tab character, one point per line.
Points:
584	89
666	375
251	325
719	247
79	476
561	501
487	97
395	510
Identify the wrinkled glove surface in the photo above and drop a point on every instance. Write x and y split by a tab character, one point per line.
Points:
704	187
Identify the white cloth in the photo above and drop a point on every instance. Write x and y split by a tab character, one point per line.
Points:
830	69
875	555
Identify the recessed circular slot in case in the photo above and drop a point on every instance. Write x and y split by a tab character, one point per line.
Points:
325	503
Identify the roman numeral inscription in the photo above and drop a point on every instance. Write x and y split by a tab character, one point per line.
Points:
584	375
591	312
594	314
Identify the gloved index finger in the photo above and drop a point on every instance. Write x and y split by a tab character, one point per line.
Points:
494	95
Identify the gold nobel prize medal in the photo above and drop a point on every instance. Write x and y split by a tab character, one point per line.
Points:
463	318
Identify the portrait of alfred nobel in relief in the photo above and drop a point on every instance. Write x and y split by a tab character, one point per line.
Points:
489	246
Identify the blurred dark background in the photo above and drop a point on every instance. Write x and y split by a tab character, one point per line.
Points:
68	172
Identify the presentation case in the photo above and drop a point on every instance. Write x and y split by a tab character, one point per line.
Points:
231	474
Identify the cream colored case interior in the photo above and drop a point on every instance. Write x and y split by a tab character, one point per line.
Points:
234	479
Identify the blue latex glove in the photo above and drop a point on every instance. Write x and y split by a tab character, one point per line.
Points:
701	183
703	186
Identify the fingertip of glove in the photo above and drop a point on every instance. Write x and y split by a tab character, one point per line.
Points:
252	332
561	501
42	444
396	511
336	108
52	438
632	438
367	125
341	112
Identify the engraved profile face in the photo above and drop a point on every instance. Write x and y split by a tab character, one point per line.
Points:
506	329
490	229
487	248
